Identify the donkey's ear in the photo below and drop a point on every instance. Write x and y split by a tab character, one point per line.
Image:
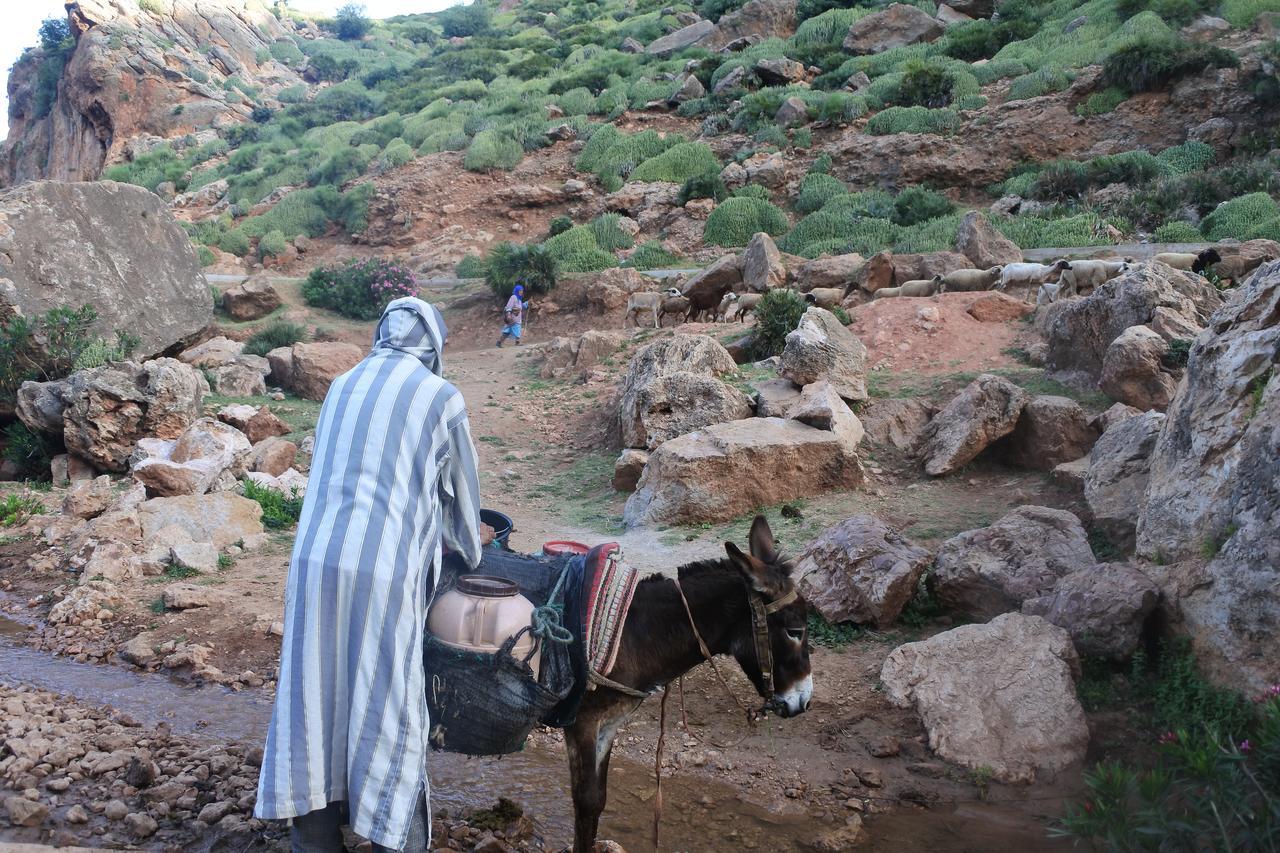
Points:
761	539
753	571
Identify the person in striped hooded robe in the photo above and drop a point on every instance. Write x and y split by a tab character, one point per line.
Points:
393	479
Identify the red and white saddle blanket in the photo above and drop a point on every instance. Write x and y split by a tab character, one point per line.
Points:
610	585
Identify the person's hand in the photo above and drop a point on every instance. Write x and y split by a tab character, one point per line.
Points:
486	534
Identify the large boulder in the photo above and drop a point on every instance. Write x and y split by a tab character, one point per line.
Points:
115	247
121	403
860	571
912	267
257	424
1133	370
1215	485
1103	607
762	267
983	245
220	518
820	348
680	39
1080	330
834	271
775	397
897	423
821	407
252	299
562	357
214	352
1000	696
983	573
987	409
705	288
239	379
1051	430
897	26
40	405
314	366
726	470
759	19
194	464
1115	486
673	387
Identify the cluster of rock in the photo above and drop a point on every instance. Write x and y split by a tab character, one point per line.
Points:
94	777
697	448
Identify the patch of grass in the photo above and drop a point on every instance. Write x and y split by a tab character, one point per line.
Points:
278	334
225	561
157	605
1256	389
278	509
1104	550
16	509
923	607
1213	543
177	571
831	635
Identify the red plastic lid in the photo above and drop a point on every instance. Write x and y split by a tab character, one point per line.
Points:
560	548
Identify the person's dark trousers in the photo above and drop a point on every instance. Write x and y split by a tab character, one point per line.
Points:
320	831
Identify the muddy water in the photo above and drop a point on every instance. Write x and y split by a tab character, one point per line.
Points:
697	815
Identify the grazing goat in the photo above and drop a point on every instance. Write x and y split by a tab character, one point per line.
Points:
674	304
969	280
1030	274
646	301
1177	260
917	287
825	297
1206	259
739	304
1089	274
1234	267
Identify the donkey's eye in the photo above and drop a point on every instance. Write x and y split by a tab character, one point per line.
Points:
796	635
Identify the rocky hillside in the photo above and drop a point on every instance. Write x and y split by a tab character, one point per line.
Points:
127	75
835	128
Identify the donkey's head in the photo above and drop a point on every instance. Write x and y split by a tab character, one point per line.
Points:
769	576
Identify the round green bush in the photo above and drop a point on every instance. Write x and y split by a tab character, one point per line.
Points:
735	220
708	185
473	266
279	334
272	244
510	264
1237	217
491	149
235	242
1178	232
919	204
677	164
777	315
1061	180
816	189
651	256
205	256
576	250
751	191
912	120
1268	230
1190	156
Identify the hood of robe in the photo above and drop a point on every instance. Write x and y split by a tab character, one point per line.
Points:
413	326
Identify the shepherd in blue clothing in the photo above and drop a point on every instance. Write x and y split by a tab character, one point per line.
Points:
393	480
513	315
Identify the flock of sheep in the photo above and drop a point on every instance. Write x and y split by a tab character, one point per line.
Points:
1050	282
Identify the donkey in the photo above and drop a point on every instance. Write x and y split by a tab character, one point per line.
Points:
727	600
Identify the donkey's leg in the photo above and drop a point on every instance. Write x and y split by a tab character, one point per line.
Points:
589	743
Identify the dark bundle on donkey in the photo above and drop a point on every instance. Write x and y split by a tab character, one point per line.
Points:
744	605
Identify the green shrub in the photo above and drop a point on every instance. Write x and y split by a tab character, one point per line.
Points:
559	225
1235	218
777	315
821	164
1148	63
751	191
510	264
912	120
918	204
576	250
492	149
350	23
1130	167
279	334
802	137
1190	156
708	185
816	189
607	233
924	84
279	511
651	256
44	347
735	220
16	509
1060	180
1267	230
822	226
205	256
1242	13
612	154
29	450
1178	232
272	244
235	242
873	204
100	352
359	289
678	163
1039	82
473	266
1103	102
464	20
396	154
1033	232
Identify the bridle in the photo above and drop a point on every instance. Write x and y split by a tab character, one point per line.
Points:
760	610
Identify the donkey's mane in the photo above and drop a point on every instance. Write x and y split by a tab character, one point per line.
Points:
697	568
